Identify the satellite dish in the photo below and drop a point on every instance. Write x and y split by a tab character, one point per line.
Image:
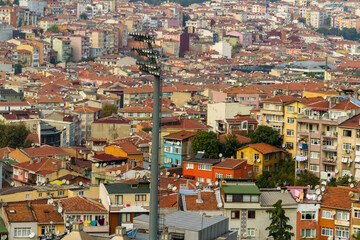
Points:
351	194
104	164
81	183
51	201
97	164
32	235
174	189
161	173
245	235
258	160
318	191
118	172
319	198
220	155
219	205
170	186
298	200
323	188
352	185
336	171
211	184
112	173
197	184
64	180
60	209
216	183
349	179
67	182
324	183
167	173
3	237
57	232
12	184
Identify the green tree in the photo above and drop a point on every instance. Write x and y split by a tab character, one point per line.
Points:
231	145
302	20
8	3
286	175
108	110
84	16
265	134
2	3
345	180
265	180
16	2
208	142
306	179
185	18
53	28
278	228
356	236
13	135
18	68
147	129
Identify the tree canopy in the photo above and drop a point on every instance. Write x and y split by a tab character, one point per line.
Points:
265	134
53	28
347	33
278	228
108	110
306	179
208	142
13	135
84	16
230	147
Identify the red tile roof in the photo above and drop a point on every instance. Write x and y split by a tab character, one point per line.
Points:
182	135
47	213
338	197
346	105
280	99
20	213
230	163
2	151
81	204
208	198
84	109
43	151
353	122
168	201
107	157
240	138
40	164
264	148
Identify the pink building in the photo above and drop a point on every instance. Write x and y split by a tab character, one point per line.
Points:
80	47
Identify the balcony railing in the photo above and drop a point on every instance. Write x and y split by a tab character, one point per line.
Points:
329	147
96	229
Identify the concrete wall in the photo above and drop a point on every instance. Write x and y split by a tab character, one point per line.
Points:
110	131
32	225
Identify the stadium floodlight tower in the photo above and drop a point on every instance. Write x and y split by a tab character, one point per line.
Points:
149	64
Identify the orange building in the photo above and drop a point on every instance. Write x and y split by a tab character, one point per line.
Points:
128	150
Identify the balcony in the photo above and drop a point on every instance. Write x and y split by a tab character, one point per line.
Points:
329	148
329	161
135	206
329	134
97	229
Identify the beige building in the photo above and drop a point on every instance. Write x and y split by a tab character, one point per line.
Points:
111	128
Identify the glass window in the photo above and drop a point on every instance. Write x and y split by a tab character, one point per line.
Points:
246	198
190	166
314	168
228	175
290	120
254	198
290	109
201	179
235	214
289	132
140	197
342	215
167	160
327	214
347	133
118	199
218	175
326	231
126	217
347	146
256	156
251	232
356	213
341	232
315	141
22	232
206	167
308	233
256	169
308	215
315	155
251	214
229	197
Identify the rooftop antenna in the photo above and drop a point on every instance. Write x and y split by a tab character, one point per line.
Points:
150	65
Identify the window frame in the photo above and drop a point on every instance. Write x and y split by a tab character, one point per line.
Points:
235	214
251	214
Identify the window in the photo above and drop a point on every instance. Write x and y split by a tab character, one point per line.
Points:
246	198
45	230
357	133
87	217
26	174
218	175
347	146
342	215
22	232
235	214
289	132
204	167
315	141
251	214
40	195
16	172
177	150
267	106
345	172
290	109
81	193
201	179
241	155
27	196
356	230
61	193
167	160
347	133
208	180
118	199
326	231
267	169
140	197
256	169
254	198
357	213
341	232
251	232
189	166
267	157
229	198
126	217
228	175
290	120
314	168
307	233
308	215
315	155
167	149
256	157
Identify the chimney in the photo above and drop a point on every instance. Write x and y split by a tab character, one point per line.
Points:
31	160
165	235
6	154
199	200
77	227
63	164
120	231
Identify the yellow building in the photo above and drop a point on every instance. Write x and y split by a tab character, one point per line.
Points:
263	156
319	93
127	150
34	52
291	111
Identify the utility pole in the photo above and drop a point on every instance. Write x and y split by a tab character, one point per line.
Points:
151	66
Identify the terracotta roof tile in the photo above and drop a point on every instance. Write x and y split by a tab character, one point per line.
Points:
168	201
264	148
47	214
208	198
44	150
240	138
180	135
230	163
81	204
338	197
20	213
280	99
346	105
